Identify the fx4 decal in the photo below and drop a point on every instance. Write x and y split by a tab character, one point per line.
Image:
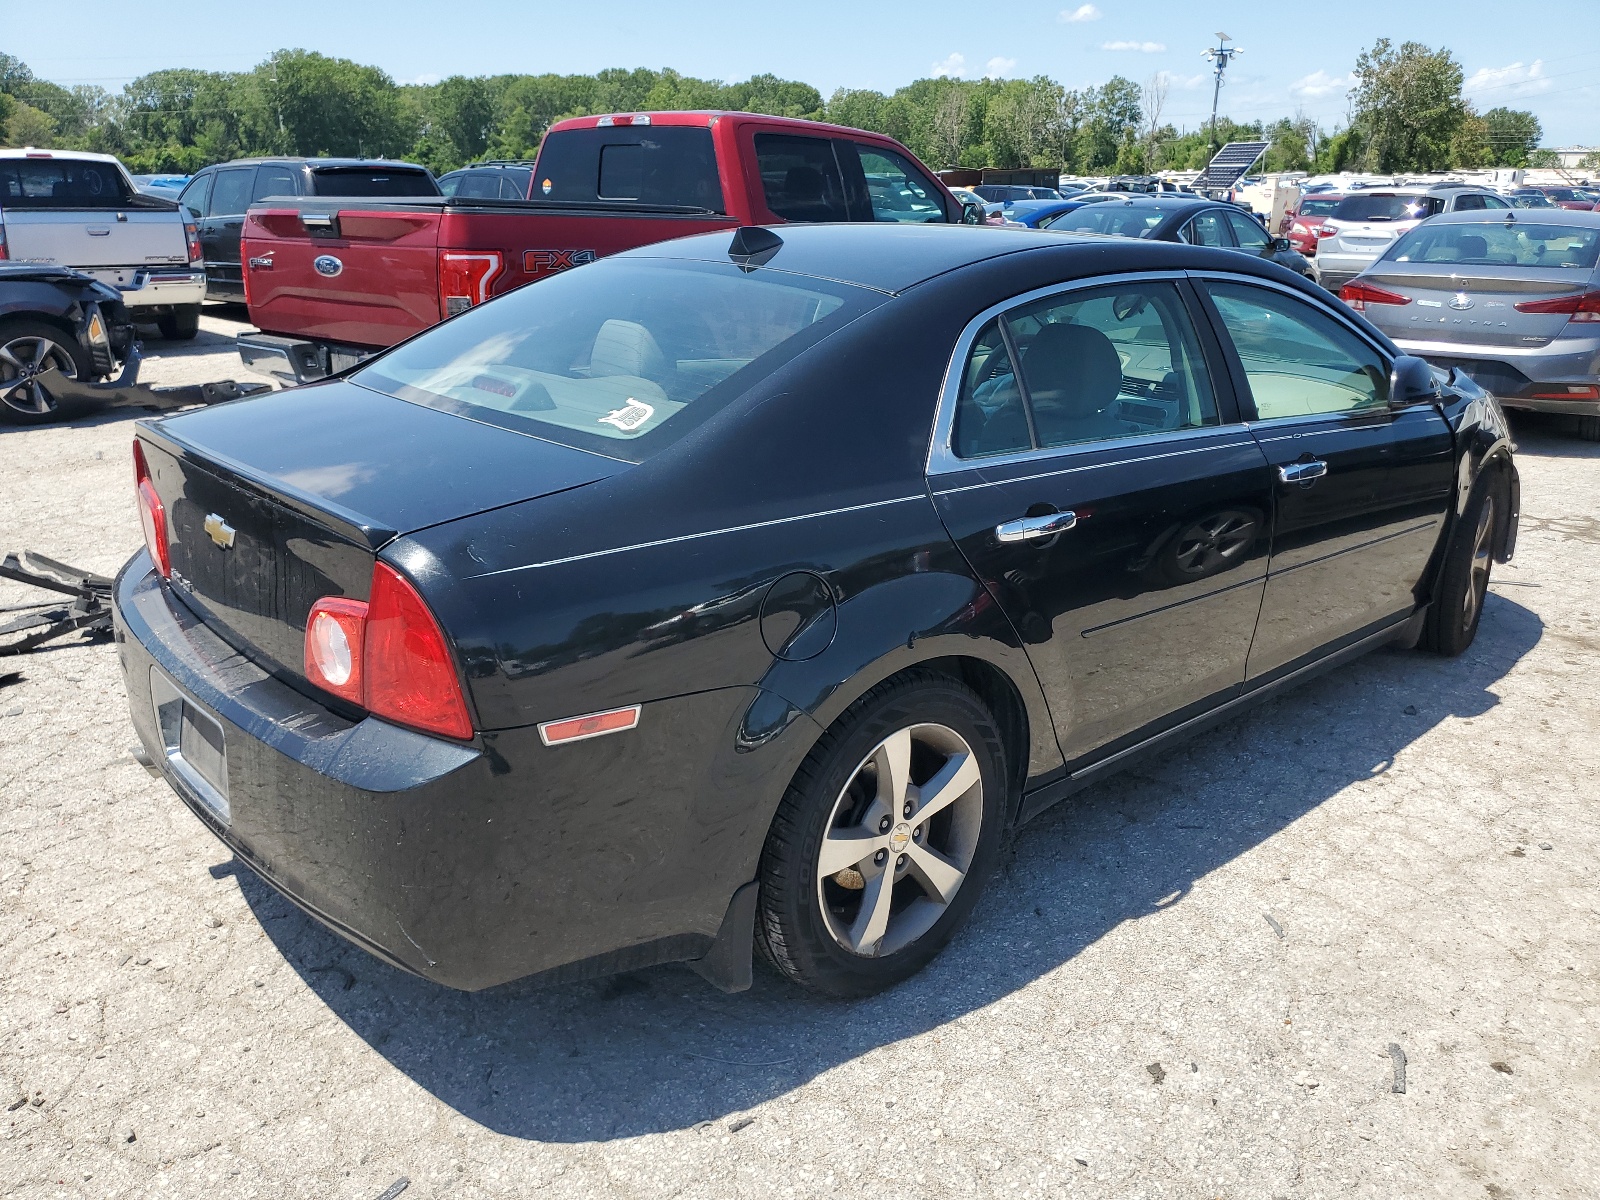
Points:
548	262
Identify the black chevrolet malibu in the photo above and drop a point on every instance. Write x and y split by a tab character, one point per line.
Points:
720	596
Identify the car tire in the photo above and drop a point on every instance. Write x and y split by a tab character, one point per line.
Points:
181	324
1589	429
853	928
1453	617
24	345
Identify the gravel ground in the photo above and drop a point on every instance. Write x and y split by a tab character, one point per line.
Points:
1194	981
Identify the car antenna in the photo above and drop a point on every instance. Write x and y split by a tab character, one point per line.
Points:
750	241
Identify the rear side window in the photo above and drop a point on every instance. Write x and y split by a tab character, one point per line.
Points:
801	178
652	164
898	191
372	181
1499	244
61	183
1387	206
230	195
1124	220
275	181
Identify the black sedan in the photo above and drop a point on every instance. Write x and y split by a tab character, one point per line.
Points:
728	595
1191	219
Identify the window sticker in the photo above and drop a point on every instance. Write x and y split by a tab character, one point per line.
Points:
628	418
545	186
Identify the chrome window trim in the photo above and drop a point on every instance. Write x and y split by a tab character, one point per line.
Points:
1137	442
942	458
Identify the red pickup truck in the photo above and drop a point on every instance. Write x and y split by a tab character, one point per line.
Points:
331	281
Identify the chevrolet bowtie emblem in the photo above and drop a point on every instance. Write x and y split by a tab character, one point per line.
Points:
219	531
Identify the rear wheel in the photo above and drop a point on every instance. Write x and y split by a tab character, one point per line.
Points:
29	352
1453	618
1589	429
884	839
181	324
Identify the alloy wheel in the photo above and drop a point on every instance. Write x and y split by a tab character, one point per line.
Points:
1482	553
22	361
900	840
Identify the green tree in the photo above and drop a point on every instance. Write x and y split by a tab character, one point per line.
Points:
333	106
29	126
1512	134
1408	105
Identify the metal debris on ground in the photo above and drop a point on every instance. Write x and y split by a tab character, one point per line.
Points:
1157	1071
394	1189
1398	1056
1276	928
740	1123
89	610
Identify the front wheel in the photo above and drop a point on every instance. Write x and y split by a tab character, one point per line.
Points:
883	840
29	351
1452	621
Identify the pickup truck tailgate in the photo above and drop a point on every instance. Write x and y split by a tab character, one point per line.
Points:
367	277
96	237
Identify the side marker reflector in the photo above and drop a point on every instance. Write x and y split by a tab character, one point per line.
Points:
577	729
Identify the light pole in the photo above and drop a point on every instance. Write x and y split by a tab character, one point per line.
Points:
1221	54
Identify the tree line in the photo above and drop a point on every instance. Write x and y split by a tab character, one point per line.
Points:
1407	113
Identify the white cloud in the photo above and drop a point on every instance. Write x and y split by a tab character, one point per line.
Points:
1184	83
1084	12
1319	84
427	77
1141	47
953	67
998	68
1504	82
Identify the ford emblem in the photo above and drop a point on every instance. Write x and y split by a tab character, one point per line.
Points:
327	264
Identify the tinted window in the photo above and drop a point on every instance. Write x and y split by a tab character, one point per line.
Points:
898	191
1468	203
275	181
621	356
1206	230
196	195
372	181
1523	244
1387	207
1318	207
230	195
449	183
801	178
621	172
62	183
1247	232
480	184
1299	361
676	165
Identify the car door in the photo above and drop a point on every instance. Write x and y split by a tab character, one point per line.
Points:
1362	490
220	232
1089	462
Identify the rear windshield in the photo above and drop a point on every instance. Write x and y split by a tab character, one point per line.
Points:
1387	207
652	164
620	357
62	183
1500	244
372	181
1313	206
1120	219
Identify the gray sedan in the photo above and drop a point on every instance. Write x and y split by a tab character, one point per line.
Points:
1512	299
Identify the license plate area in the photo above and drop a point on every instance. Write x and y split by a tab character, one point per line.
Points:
192	741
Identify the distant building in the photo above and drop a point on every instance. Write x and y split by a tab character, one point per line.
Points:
1570	156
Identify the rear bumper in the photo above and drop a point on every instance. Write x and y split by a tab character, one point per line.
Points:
1334	270
293	361
1558	377
150	287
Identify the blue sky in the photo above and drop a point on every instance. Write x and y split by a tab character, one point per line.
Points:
1296	57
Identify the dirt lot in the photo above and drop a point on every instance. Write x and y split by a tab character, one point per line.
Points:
1185	984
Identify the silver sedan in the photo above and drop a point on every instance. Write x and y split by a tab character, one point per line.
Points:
1512	298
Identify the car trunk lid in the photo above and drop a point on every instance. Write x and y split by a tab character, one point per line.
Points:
1475	304
262	523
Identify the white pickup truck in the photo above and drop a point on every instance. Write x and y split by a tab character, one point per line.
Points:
82	211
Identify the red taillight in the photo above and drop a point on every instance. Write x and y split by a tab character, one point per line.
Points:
1324	231
1570	392
191	231
465	276
1584	306
1358	295
152	514
3	252
387	655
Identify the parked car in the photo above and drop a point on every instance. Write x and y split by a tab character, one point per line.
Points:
1529	198
324	299
81	210
1513	302
57	327
509	180
1001	192
1191	219
1305	221
1367	223
168	187
748	590
1570	197
218	197
968	196
1036	214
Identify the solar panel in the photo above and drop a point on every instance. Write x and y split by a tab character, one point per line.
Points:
1230	164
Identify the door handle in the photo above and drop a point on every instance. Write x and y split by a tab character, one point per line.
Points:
1302	472
1025	529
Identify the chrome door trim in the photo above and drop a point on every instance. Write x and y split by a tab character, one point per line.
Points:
942	459
1047	455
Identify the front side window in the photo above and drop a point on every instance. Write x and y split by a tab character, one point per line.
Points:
195	197
898	191
1095	364
1248	233
1298	361
620	357
801	178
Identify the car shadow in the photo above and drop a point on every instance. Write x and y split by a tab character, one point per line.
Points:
660	1049
1550	435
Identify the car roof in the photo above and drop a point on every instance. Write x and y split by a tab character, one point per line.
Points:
41	152
1577	217
387	164
894	257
